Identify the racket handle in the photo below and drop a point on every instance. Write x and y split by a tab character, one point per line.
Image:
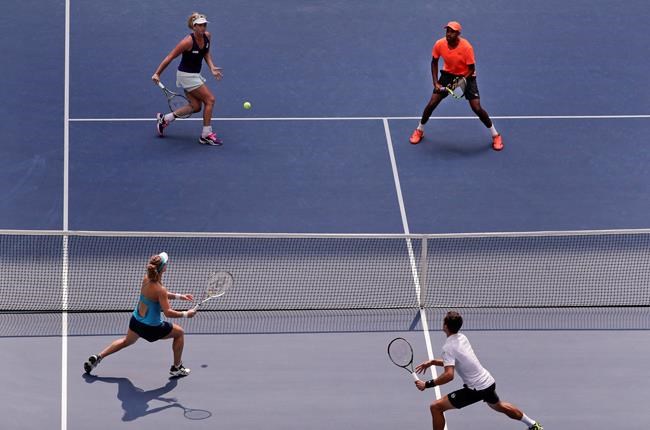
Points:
200	303
415	376
160	84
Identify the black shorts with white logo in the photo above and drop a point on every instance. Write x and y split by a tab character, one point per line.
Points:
471	90
467	396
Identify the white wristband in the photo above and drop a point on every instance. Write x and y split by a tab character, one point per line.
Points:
184	314
175	296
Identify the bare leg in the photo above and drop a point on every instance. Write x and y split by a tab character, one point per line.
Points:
434	101
509	409
130	338
475	104
195	102
203	94
437	412
178	342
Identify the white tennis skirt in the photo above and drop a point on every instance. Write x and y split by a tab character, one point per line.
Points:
189	81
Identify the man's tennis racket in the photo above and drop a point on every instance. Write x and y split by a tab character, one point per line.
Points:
178	103
456	88
218	284
401	354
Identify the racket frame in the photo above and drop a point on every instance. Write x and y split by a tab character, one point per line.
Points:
214	296
170	96
458	82
409	366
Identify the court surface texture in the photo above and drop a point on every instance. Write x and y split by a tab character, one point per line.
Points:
336	89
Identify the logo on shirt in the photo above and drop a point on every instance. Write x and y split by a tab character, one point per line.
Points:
195	52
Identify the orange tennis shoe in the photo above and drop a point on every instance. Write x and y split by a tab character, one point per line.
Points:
416	137
497	142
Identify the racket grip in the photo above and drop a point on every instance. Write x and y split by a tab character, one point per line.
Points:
415	376
160	84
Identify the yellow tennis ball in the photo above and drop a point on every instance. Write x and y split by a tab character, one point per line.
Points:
247	105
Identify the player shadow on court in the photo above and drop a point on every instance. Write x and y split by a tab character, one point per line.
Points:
135	401
457	149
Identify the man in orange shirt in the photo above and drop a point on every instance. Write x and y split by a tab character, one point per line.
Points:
458	60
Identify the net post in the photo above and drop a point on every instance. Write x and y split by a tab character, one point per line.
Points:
423	272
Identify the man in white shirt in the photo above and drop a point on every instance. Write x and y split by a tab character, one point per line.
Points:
478	383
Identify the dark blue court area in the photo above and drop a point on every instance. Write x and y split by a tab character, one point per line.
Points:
336	89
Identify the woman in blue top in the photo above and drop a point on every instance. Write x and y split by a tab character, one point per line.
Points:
146	322
194	48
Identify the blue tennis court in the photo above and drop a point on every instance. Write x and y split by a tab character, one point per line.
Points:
318	194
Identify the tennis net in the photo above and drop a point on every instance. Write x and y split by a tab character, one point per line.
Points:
336	321
101	271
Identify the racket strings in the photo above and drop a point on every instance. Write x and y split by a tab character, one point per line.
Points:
401	353
218	284
180	106
458	87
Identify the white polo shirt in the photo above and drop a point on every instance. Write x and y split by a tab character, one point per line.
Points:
458	352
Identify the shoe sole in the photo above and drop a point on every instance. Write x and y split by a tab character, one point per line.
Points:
210	143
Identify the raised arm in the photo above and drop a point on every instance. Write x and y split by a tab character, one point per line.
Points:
434	74
183	45
216	71
163	299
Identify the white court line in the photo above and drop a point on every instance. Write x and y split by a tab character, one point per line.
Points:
373	118
414	272
131	233
64	244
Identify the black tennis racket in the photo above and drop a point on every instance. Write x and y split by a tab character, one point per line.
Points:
218	284
456	88
401	354
178	103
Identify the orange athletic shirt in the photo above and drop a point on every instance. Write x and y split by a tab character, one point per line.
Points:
455	60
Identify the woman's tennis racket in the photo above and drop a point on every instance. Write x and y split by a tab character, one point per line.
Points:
178	103
456	88
218	284
401	354
195	414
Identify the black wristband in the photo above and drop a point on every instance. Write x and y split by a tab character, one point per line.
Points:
430	383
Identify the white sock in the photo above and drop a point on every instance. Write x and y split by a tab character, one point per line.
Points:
169	117
494	131
421	127
527	421
207	129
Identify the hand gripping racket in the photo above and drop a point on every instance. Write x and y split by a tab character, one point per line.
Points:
218	284
178	103
456	88
401	354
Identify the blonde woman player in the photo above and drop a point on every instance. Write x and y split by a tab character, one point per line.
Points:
146	322
194	48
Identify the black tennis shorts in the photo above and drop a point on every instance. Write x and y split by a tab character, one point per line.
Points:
467	396
148	332
471	90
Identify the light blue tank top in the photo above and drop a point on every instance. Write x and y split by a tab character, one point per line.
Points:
153	312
